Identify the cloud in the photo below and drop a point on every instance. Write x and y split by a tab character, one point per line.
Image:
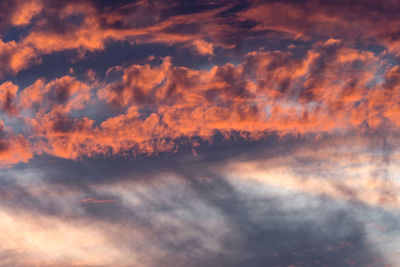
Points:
84	27
203	47
87	27
8	93
359	22
18	13
26	11
185	213
14	148
328	88
199	133
15	57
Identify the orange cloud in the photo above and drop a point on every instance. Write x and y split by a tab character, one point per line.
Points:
25	11
328	88
95	29
354	22
8	94
14	148
147	22
268	92
203	47
16	57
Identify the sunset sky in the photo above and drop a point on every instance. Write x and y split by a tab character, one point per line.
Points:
184	133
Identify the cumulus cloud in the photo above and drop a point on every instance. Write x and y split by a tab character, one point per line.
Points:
329	88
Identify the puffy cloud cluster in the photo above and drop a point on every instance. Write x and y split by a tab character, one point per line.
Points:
153	108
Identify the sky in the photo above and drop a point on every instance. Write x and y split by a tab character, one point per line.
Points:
188	133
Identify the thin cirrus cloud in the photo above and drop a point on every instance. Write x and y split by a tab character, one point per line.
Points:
199	133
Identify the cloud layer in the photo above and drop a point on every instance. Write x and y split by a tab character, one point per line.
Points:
328	88
199	133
